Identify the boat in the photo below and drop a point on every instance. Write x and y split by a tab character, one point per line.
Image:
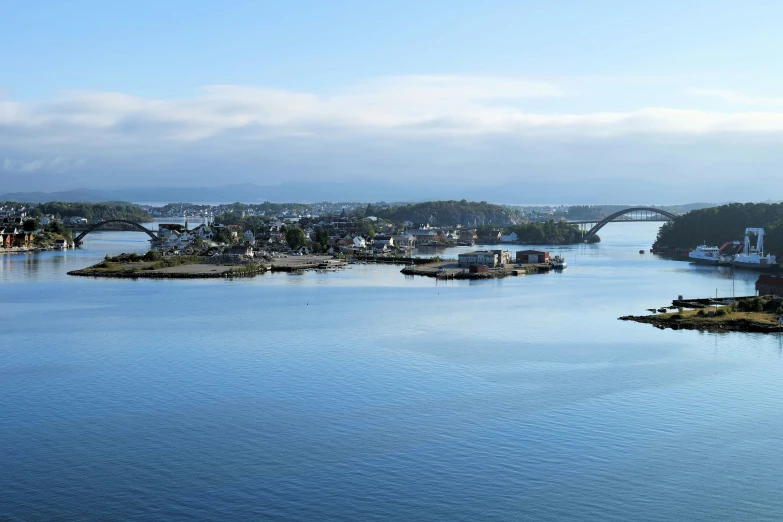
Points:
707	255
751	256
559	263
641	251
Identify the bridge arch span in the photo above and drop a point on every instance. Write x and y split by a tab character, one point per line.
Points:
613	217
78	239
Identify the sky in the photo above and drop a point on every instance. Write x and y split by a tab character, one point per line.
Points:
623	101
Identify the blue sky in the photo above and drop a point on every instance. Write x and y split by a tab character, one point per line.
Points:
110	94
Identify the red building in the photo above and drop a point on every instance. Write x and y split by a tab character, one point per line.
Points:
769	284
532	256
478	269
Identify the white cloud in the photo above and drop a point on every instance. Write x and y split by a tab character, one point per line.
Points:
408	106
399	128
57	164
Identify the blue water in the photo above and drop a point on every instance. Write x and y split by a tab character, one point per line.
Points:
368	395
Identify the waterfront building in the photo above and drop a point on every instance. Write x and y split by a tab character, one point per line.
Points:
404	240
479	257
15	237
532	256
768	284
504	257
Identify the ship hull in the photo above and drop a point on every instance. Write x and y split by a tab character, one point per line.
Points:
703	261
755	266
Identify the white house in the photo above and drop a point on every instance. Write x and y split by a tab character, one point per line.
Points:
205	232
185	239
359	242
382	242
510	238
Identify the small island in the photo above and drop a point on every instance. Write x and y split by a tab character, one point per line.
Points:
153	265
745	314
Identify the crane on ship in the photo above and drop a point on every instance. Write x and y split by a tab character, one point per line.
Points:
727	244
759	233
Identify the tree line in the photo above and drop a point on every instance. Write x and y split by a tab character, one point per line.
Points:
716	225
92	211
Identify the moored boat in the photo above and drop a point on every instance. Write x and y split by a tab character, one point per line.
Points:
707	255
559	263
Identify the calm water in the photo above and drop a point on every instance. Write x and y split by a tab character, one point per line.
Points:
366	395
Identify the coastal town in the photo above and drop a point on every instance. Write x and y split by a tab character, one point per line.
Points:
253	238
293	229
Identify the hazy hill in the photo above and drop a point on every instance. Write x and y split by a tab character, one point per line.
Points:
68	196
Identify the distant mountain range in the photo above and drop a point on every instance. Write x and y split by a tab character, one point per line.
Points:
69	196
245	193
524	192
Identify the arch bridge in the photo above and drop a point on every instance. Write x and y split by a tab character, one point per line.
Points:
78	239
631	214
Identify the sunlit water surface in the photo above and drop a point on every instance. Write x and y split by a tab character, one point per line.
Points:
368	395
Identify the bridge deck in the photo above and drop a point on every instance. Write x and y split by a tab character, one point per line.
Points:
592	221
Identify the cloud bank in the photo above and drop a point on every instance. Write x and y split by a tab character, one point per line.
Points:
406	126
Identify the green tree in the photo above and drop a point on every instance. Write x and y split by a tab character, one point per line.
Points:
322	241
30	225
223	236
56	227
295	237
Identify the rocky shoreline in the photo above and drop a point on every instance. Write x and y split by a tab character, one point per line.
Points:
132	266
703	325
166	275
22	250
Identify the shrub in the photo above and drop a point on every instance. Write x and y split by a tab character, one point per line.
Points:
701	313
779	311
772	304
759	306
153	255
720	312
677	317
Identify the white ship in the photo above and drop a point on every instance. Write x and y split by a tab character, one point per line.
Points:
709	255
753	256
559	263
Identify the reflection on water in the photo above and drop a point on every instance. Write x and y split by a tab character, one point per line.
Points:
364	394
